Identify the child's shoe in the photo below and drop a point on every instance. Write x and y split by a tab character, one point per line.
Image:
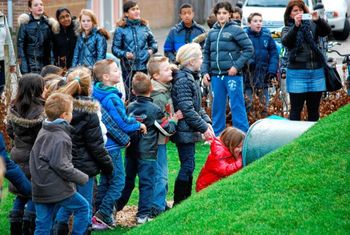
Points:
105	220
143	220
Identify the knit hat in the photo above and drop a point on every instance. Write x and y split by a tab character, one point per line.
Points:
187	52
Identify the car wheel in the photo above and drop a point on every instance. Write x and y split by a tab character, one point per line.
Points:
343	35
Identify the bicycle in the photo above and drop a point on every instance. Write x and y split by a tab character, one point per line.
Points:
345	62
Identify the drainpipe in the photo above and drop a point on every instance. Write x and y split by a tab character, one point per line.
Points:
9	13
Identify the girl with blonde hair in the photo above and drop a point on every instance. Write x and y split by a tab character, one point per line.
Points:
186	95
92	43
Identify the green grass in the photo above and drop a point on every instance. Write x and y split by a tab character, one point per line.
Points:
201	155
302	188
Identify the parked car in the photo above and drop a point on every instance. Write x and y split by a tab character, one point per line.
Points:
273	11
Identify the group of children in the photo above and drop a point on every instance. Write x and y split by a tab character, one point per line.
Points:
81	128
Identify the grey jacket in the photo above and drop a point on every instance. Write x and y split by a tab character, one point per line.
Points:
53	174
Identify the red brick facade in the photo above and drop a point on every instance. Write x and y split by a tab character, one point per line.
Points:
159	13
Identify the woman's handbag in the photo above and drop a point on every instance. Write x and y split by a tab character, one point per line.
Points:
333	80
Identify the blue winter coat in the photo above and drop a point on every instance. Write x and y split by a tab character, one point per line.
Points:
111	102
225	47
265	57
135	37
186	95
178	36
90	49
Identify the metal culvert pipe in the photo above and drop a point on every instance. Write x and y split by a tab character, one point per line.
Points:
268	134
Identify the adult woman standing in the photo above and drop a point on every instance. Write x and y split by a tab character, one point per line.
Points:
34	38
5	38
65	38
305	73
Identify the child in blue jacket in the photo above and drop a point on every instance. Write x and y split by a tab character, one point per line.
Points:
107	73
264	65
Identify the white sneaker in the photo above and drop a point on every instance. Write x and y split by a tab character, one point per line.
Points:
143	220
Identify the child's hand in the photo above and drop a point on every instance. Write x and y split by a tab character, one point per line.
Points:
206	79
232	71
129	56
209	134
143	128
179	115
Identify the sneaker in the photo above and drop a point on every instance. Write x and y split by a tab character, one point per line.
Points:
143	220
108	221
97	226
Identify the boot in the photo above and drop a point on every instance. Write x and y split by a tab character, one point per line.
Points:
179	191
189	187
16	222
28	227
60	228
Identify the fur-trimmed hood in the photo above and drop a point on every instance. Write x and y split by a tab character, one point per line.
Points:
86	105
25	18
124	21
15	118
76	26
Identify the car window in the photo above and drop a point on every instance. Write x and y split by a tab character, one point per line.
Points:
269	3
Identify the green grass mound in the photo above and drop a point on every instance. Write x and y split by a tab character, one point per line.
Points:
303	187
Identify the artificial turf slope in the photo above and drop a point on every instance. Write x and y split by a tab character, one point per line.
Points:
302	188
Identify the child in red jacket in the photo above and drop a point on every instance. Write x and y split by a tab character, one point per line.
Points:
225	158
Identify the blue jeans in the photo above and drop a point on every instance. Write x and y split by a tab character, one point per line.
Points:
111	186
146	170
161	179
186	155
17	177
76	204
86	191
231	86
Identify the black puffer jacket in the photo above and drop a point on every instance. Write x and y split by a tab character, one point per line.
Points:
304	57
89	153
64	43
34	42
24	130
186	97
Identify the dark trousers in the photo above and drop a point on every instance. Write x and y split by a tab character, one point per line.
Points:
312	100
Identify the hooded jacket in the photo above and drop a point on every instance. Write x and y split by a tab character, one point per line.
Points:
111	102
53	174
89	153
186	95
161	96
34	42
135	37
178	36
23	130
225	47
64	41
220	164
